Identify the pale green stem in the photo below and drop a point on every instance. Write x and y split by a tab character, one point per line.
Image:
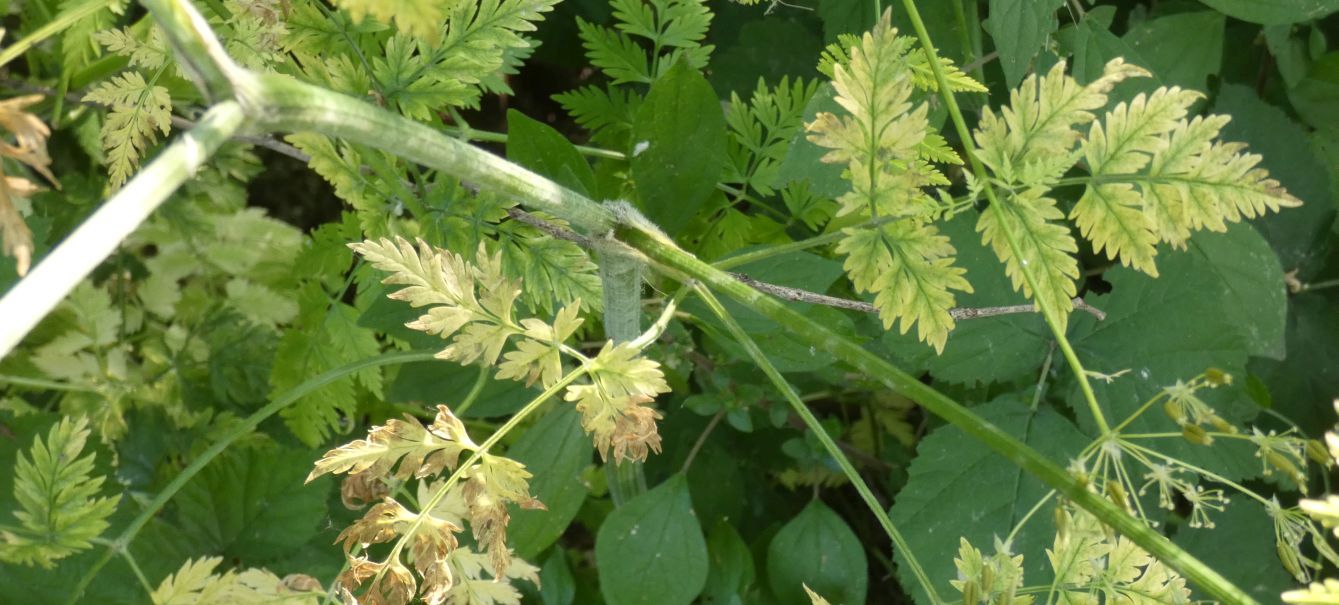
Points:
51	28
760	359
237	431
621	281
56	275
475	390
49	385
1052	319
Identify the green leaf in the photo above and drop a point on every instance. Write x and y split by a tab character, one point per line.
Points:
1306	380
1274	12
1232	286
1317	95
818	549
682	128
556	451
252	504
803	157
731	565
1183	49
1297	235
557	586
56	491
958	488
539	147
650	551
1020	29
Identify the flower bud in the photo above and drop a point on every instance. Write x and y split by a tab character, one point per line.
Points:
1196	434
1315	450
1216	377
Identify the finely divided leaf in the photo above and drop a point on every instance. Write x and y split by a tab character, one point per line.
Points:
1044	247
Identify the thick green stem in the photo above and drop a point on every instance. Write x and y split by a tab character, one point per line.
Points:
283	104
1052	318
756	354
37	294
245	427
808	332
621	280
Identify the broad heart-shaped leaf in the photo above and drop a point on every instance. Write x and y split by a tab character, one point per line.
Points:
1298	235
252	504
732	569
1214	305
680	133
959	488
1019	29
539	147
555	451
650	551
1241	547
1005	348
818	549
1274	12
1316	96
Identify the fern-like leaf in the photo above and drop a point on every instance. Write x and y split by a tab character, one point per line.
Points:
1031	142
57	493
139	112
1045	247
195	583
422	18
909	265
906	263
674	28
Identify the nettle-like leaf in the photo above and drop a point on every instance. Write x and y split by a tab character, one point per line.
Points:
674	28
54	486
480	493
196	583
906	262
140	111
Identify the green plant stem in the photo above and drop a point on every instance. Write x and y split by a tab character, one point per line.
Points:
51	28
760	359
471	134
94	240
284	104
621	281
1052	319
808	332
241	429
1320	285
473	395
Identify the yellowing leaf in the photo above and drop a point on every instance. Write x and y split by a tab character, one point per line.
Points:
1045	247
139	111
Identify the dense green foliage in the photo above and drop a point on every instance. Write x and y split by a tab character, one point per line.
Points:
321	371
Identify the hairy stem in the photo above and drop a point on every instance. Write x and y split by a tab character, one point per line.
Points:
760	359
621	281
241	429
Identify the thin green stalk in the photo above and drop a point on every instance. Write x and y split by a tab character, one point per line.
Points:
94	240
760	359
806	331
51	28
955	114
475	390
241	429
471	134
